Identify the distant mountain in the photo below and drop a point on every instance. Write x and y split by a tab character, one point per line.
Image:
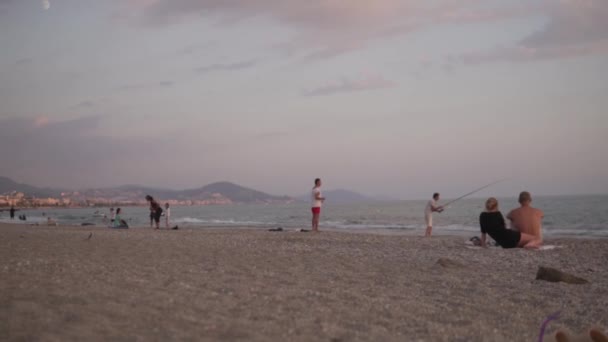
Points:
234	192
216	193
341	196
7	185
125	193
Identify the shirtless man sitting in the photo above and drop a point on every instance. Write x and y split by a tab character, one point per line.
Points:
527	219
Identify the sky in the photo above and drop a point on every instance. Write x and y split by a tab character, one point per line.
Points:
399	98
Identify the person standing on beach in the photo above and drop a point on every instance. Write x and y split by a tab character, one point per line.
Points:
167	215
12	212
317	202
527	219
431	207
112	215
155	211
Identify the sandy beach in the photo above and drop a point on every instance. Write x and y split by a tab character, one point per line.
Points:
84	283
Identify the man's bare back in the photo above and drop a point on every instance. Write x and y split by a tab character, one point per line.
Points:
527	219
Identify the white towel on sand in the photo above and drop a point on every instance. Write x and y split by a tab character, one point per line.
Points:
542	248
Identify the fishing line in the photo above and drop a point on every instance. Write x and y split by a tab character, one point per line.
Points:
474	191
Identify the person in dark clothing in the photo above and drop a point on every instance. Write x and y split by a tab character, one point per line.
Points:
155	210
492	223
12	212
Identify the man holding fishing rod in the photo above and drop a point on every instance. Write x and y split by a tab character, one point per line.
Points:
431	207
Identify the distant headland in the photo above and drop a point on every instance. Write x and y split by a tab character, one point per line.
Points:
220	193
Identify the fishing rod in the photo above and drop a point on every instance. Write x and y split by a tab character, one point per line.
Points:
474	191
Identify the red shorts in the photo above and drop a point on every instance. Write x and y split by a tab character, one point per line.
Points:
316	210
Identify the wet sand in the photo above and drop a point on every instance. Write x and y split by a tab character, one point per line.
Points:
57	284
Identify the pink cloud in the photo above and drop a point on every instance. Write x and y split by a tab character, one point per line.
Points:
313	13
530	54
574	28
41	121
226	66
572	22
326	28
369	82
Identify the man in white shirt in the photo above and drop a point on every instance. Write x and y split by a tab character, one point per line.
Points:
317	201
431	207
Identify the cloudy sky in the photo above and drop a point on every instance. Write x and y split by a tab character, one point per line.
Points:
392	97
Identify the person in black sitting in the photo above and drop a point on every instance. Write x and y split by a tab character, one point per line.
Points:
493	223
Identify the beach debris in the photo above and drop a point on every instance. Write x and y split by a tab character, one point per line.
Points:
449	263
279	229
475	241
553	275
87	224
175	228
90	236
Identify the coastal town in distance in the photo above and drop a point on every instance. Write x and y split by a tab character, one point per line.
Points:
220	193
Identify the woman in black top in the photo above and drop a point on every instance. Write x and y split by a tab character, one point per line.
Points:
492	223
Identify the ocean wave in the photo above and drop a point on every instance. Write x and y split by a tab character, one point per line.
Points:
351	224
30	220
228	222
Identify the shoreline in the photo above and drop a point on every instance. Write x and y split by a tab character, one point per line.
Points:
437	231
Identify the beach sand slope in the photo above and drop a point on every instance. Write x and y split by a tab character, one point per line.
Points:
62	283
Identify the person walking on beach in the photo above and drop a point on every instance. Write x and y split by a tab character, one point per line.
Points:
431	207
155	211
527	219
317	202
492	223
167	215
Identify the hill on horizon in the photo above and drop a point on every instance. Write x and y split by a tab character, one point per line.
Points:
226	190
233	191
8	185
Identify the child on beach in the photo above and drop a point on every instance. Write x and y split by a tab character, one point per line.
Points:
118	221
167	215
431	207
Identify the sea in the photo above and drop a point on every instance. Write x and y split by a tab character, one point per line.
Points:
565	216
